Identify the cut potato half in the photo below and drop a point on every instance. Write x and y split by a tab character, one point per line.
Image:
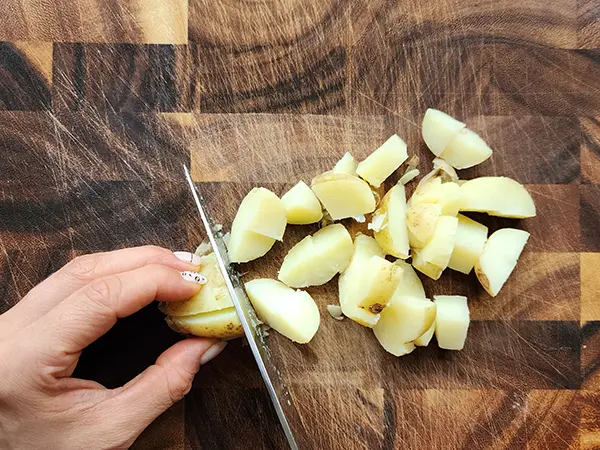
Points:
439	248
468	245
244	246
384	161
222	324
497	196
438	129
378	283
343	195
451	321
346	165
425	338
302	205
466	149
499	258
421	220
292	313
392	235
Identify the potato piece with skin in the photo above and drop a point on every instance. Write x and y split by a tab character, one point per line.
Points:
346	165
468	245
499	258
343	195
403	321
383	162
451	321
261	212
244	246
318	258
379	281
438	129
466	149
421	220
446	195
291	313
431	270
425	338
439	248
497	196
222	324
410	285
393	234
301	205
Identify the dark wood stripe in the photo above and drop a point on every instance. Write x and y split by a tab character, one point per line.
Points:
590	217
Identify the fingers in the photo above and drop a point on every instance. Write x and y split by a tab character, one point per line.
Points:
90	312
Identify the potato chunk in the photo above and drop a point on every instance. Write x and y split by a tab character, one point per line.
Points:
410	285
421	220
379	281
346	165
392	233
431	270
343	195
302	205
223	324
451	321
466	149
499	258
292	313
425	338
318	258
468	245
497	196
438	129
439	248
244	246
446	195
383	162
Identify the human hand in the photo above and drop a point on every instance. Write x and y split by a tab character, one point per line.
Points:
41	339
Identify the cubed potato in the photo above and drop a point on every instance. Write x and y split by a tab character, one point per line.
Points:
410	285
431	270
421	220
302	205
244	246
451	321
261	212
499	258
425	338
497	196
393	234
466	149
468	245
379	281
438	129
222	324
292	313
343	195
446	195
346	165
318	258
403	321
439	248
383	162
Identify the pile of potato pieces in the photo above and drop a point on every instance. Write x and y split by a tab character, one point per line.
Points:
373	291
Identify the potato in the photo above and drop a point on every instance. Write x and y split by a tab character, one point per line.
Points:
365	248
223	324
425	338
421	220
468	245
383	162
301	205
446	195
292	313
438	129
439	248
499	258
393	234
497	196
343	195
451	321
403	321
318	258
431	270
346	165
444	170
244	246
410	285
466	149
379	281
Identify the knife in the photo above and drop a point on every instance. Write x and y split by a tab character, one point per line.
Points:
275	385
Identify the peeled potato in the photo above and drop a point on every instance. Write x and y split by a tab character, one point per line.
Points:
392	235
383	162
223	324
468	245
244	246
318	258
439	248
346	165
497	196
301	205
466	149
292	313
343	195
379	281
451	321
403	321
499	258
438	129
410	285
421	220
446	195
425	338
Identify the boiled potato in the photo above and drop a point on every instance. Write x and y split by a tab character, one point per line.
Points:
244	246
446	195
393	234
410	285
499	258
421	220
451	321
431	270
497	196
343	195
466	149
301	205
318	258
468	245
379	281
439	248
403	321
346	165
223	324
365	248
292	313
383	162
444	170
425	338
438	129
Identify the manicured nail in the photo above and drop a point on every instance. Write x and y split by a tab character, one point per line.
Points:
194	277
188	257
213	352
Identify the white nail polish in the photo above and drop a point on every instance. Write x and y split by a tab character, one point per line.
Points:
188	257
213	352
194	277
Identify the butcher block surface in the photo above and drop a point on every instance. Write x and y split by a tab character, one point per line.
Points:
101	102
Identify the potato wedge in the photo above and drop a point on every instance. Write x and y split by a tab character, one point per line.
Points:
468	245
301	205
346	165
466	149
383	162
244	246
421	220
438	129
439	248
392	235
451	321
343	195
379	281
497	196
291	313
261	212
222	324
410	285
425	338
431	270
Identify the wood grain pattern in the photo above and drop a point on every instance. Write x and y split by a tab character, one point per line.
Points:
590	286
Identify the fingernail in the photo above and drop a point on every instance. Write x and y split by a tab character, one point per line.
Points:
188	257
194	277
213	352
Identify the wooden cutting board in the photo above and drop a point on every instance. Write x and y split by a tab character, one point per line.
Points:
100	104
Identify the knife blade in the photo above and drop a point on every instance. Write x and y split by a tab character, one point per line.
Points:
276	387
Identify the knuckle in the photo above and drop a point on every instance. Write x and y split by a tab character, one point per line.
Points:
179	383
105	292
83	267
